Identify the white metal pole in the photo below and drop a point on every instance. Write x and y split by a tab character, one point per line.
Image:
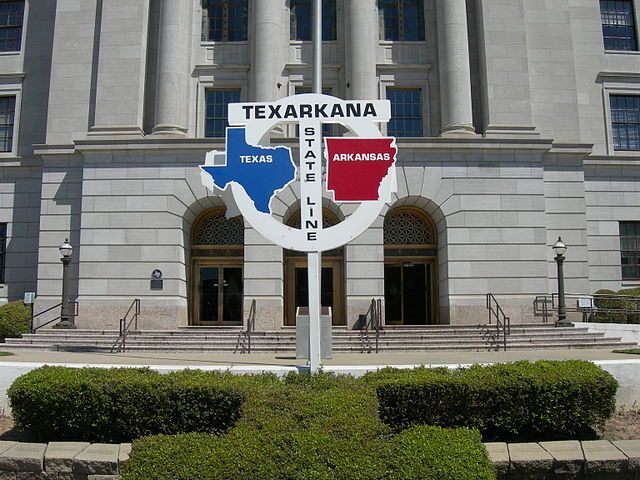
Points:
317	46
314	259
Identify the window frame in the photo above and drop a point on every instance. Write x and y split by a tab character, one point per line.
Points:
21	40
217	88
634	12
421	90
328	129
634	253
635	96
400	15
13	121
298	77
3	251
617	84
333	15
13	90
206	20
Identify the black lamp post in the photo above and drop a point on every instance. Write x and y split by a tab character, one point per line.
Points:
559	248
66	317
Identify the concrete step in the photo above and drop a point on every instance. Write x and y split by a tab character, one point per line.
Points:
143	340
142	337
425	334
286	349
404	338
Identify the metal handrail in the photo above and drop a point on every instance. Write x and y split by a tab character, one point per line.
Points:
251	326
541	307
33	329
374	321
121	343
591	306
504	323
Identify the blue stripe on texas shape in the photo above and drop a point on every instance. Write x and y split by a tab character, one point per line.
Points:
261	171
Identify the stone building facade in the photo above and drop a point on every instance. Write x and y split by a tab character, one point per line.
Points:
517	121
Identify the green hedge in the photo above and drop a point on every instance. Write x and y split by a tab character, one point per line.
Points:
518	401
118	405
14	319
621	304
425	453
319	427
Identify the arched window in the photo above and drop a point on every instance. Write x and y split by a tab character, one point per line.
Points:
332	282
406	226
217	254
410	263
215	229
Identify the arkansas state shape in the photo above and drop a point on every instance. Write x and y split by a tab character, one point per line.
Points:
357	166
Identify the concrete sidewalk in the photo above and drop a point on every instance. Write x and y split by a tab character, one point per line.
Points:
626	368
257	360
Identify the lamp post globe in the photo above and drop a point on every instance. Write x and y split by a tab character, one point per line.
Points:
66	316
560	248
66	249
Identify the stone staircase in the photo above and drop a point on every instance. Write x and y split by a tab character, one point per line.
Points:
391	339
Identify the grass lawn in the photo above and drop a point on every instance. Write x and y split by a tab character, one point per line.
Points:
5	354
631	351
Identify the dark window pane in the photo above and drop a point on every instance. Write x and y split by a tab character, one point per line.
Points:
226	20
618	25
630	250
389	20
401	19
327	128
11	17
625	121
217	108
406	112
3	249
7	114
302	20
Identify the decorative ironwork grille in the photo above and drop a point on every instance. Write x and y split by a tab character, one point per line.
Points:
216	229
327	221
405	227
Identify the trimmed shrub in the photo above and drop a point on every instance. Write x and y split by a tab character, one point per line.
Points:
118	405
420	453
312	427
621	305
436	453
14	319
519	401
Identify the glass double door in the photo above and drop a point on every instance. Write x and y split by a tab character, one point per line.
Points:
408	293
218	295
297	288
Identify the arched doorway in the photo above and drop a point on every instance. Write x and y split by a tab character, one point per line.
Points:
217	257
410	262
332	281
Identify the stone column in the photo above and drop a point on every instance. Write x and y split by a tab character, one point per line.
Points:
121	78
172	94
362	43
455	72
267	48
